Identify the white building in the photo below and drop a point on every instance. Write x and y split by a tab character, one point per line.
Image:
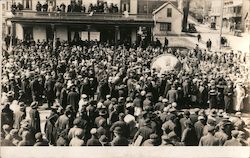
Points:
167	20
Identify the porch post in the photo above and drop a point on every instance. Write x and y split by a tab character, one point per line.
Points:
88	29
116	34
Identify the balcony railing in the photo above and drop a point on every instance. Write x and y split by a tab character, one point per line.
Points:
80	16
230	15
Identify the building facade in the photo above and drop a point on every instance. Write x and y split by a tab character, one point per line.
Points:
167	19
235	14
121	23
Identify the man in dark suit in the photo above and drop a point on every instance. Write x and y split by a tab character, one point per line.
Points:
93	141
228	97
144	131
184	119
121	123
221	135
119	139
199	125
35	117
234	141
49	89
73	99
50	129
189	137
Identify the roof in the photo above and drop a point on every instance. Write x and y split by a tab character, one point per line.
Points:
164	5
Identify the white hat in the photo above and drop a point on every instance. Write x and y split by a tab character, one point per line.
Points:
164	100
143	93
166	109
201	118
84	96
93	131
174	104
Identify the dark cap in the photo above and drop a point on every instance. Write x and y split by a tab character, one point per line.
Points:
118	130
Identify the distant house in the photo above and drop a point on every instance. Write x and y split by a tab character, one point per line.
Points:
167	21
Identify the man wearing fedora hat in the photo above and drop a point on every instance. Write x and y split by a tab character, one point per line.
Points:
209	139
184	119
93	141
144	131
189	137
49	128
40	141
63	96
35	117
7	115
221	135
73	99
199	126
121	123
152	141
102	116
233	141
119	139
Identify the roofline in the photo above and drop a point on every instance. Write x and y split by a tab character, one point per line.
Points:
165	4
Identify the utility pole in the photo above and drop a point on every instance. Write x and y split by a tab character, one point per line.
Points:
221	19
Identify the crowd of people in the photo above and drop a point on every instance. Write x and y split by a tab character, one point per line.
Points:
74	6
104	95
101	7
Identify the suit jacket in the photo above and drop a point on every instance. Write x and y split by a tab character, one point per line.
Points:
76	142
209	140
19	116
198	126
182	122
49	87
124	127
222	136
35	120
93	142
232	142
50	129
189	137
172	96
63	98
144	132
7	117
62	123
120	141
73	99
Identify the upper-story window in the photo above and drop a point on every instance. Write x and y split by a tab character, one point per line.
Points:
145	9
169	12
27	4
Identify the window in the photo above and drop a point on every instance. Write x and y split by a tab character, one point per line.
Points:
145	9
169	12
165	27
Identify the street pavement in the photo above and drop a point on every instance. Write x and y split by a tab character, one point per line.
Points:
236	43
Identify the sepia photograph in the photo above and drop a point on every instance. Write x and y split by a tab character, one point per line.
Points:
130	78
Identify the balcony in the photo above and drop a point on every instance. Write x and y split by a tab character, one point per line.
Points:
232	15
54	17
